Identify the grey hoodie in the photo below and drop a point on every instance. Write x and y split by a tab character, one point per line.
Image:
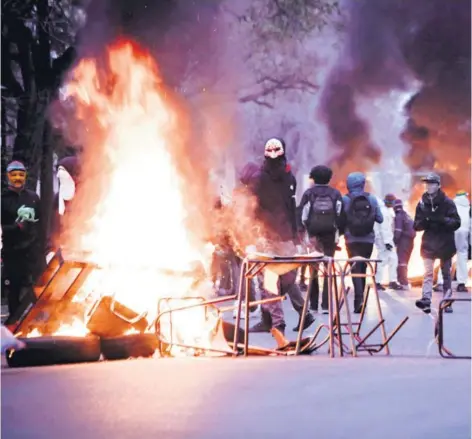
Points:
355	185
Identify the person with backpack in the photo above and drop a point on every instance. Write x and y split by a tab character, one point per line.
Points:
323	218
437	215
384	243
404	239
362	212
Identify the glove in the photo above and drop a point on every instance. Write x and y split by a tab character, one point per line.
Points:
389	247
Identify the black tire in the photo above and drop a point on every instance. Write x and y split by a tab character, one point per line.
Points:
50	350
129	346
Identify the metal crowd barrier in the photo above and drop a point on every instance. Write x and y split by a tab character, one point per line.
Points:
439	329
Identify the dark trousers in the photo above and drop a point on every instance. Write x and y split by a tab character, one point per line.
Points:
326	245
364	250
404	250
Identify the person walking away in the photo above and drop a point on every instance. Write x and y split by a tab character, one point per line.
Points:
276	211
385	246
462	239
323	217
21	250
437	215
362	212
404	239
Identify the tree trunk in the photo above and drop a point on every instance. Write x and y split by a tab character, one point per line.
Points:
46	182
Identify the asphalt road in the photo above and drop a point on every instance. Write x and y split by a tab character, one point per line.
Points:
413	394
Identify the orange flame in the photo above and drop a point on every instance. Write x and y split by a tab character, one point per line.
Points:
130	215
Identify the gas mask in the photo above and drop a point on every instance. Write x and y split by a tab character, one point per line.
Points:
16	179
66	188
274	149
431	188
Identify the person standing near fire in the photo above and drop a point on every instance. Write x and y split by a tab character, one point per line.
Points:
21	248
437	216
276	210
462	239
404	239
385	246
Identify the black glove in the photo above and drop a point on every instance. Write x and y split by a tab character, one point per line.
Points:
388	246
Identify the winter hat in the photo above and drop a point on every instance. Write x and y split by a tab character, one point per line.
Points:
398	204
16	165
274	148
71	165
389	200
432	177
321	174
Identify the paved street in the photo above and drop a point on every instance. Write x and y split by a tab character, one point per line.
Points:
413	394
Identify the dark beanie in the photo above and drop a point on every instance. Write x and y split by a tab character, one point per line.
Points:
70	164
398	204
321	174
389	199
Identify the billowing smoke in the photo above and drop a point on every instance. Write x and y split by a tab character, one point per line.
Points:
387	44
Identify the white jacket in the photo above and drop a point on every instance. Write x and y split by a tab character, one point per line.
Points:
463	208
384	232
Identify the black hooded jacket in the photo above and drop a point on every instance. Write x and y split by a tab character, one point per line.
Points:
439	219
275	191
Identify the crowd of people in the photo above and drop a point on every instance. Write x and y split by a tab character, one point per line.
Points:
316	223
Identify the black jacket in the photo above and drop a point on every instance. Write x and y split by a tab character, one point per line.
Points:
15	239
275	191
323	190
439	219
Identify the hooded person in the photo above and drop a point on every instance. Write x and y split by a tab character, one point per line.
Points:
404	239
323	218
275	210
21	248
385	246
462	239
67	175
437	216
362	213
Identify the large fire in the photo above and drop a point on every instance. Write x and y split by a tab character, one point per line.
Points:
130	215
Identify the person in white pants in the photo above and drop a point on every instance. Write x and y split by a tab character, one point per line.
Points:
462	237
386	251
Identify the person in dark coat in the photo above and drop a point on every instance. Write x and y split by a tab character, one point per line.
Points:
21	248
323	225
404	239
437	215
276	210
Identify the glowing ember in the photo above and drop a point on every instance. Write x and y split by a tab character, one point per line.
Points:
130	213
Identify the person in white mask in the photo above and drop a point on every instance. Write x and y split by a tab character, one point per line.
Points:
462	239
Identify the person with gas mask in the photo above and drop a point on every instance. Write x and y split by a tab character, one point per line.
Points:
437	215
67	175
462	239
404	239
21	249
276	211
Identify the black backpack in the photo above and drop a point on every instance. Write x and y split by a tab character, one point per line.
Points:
322	216
360	215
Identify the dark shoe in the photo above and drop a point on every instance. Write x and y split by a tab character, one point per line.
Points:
324	311
262	326
394	286
448	309
461	288
309	320
424	304
357	309
380	287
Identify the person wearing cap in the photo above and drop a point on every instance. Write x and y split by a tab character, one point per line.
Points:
385	245
275	210
404	239
462	239
20	234
323	218
437	216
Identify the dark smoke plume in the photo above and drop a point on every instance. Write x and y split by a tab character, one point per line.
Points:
387	42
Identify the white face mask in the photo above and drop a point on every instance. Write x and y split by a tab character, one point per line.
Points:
432	188
274	148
